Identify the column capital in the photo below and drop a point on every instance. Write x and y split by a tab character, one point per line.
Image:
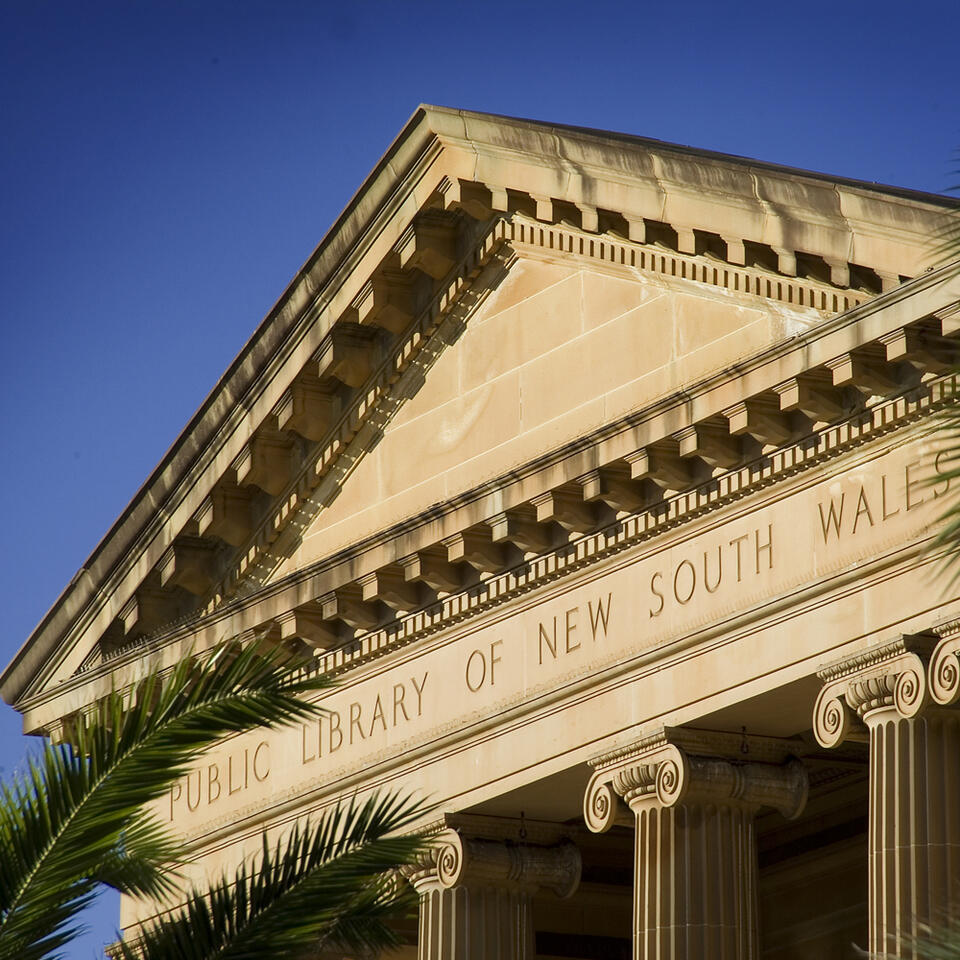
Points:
678	766
456	859
888	677
943	671
892	695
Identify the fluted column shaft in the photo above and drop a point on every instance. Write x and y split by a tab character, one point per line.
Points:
914	840
470	923
695	883
885	695
695	870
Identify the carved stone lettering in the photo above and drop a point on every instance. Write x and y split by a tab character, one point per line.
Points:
561	635
456	683
364	719
230	773
482	667
879	499
696	577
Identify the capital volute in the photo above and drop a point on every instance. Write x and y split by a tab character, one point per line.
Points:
456	860
665	777
944	669
890	678
679	766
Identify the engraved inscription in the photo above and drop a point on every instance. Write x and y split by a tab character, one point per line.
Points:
692	578
363	720
221	778
737	559
481	667
879	499
566	632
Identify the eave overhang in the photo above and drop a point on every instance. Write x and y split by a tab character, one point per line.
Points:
481	169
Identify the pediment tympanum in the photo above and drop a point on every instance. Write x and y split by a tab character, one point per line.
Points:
513	333
555	352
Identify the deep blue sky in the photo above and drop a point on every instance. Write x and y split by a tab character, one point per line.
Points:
165	168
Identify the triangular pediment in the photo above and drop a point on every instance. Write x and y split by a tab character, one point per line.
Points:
560	347
495	292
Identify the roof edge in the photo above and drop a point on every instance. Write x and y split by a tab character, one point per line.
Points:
427	124
415	135
667	146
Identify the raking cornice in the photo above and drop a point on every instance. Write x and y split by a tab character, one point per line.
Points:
457	168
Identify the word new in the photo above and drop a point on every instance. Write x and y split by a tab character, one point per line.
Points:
566	632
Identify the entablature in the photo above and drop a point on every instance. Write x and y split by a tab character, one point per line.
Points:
728	424
392	286
601	496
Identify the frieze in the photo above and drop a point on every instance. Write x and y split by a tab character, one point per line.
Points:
525	650
871	422
883	502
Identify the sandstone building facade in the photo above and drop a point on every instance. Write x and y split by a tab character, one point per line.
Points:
602	473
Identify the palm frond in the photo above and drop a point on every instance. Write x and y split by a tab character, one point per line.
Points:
948	240
75	818
946	487
325	885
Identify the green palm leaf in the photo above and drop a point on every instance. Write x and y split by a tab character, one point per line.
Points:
325	886
947	477
948	240
76	818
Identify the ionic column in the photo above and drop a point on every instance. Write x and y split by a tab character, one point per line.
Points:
475	895
884	694
695	872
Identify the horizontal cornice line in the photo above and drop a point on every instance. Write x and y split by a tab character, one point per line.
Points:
832	442
263	542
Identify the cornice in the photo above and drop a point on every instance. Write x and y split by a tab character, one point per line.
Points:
462	122
567	559
592	168
730	484
399	376
332	295
643	526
